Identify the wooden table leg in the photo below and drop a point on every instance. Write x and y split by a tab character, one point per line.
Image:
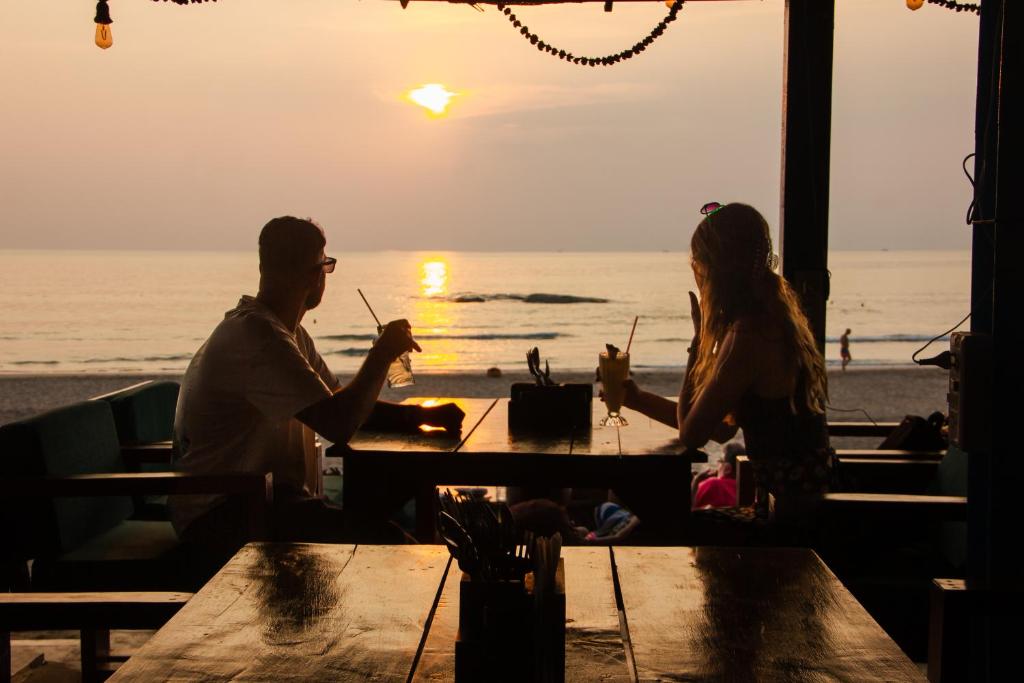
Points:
95	644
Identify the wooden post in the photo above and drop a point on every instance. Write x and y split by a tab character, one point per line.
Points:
995	479
806	146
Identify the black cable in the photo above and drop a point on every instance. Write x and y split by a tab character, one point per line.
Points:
913	356
974	190
829	406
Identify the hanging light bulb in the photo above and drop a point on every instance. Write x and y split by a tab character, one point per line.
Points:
104	38
915	4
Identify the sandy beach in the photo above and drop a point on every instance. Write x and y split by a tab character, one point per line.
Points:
883	393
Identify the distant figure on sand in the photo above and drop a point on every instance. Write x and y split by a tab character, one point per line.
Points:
844	348
257	390
753	364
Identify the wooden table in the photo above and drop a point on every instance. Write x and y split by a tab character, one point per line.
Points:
643	462
303	612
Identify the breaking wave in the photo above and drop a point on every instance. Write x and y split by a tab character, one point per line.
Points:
540	298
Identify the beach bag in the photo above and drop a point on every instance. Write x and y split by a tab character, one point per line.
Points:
916	433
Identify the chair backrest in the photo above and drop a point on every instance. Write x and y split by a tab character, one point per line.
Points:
77	439
144	413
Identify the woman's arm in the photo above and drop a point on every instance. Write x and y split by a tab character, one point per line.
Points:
653	406
733	374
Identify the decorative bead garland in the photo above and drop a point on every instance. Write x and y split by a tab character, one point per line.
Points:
607	60
957	6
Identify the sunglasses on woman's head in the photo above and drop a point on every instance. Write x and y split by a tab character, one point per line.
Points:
711	207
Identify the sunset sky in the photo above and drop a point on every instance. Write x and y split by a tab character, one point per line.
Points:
203	122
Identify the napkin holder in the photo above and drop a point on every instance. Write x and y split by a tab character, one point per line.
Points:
506	635
554	408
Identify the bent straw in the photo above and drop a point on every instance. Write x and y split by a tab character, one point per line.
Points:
630	342
371	309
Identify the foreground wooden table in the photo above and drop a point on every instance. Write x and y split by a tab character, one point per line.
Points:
302	612
643	462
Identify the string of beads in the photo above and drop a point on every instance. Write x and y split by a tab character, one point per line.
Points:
957	6
606	60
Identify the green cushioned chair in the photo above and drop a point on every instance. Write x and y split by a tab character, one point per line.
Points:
144	413
66	503
80	543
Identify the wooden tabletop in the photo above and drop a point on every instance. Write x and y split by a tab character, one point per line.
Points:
291	612
644	463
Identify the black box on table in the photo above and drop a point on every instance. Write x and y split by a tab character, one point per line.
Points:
556	408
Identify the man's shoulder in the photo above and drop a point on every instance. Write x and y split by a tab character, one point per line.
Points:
252	321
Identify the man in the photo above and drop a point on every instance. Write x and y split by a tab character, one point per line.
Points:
257	390
844	348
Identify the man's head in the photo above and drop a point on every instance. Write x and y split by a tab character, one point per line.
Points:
292	258
727	465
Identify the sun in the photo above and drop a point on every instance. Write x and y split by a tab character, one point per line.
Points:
433	96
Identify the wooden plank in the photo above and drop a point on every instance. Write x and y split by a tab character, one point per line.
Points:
56	611
880	429
643	436
593	641
492	435
875	454
887	476
126	484
749	614
896	506
440	441
300	612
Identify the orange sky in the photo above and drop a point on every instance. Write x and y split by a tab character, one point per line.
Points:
202	122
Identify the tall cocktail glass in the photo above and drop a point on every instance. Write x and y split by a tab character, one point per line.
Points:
614	373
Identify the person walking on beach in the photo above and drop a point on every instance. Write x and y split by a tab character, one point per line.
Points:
256	391
844	348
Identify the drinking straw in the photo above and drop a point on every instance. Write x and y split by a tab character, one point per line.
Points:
630	342
378	319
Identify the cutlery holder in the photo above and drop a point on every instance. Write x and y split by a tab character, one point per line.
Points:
558	408
506	635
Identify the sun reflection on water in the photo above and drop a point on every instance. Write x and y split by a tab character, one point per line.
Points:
434	315
435	278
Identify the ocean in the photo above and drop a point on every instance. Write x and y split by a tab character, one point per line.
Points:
148	311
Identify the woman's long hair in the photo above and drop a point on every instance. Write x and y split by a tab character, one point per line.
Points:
733	250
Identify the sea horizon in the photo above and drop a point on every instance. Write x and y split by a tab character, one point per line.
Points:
148	311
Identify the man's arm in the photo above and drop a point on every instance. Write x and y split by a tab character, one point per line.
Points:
339	416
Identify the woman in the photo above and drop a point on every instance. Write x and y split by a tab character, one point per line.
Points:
753	364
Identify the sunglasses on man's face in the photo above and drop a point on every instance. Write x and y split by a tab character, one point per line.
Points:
327	265
711	207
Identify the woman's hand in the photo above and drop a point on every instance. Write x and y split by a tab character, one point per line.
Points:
630	398
696	317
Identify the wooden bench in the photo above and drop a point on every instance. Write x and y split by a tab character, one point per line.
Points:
862	429
92	614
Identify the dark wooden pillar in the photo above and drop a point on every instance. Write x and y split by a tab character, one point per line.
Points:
806	147
996	478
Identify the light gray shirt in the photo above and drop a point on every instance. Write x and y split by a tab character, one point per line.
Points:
237	405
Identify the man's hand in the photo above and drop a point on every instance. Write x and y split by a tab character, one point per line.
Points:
395	339
447	415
